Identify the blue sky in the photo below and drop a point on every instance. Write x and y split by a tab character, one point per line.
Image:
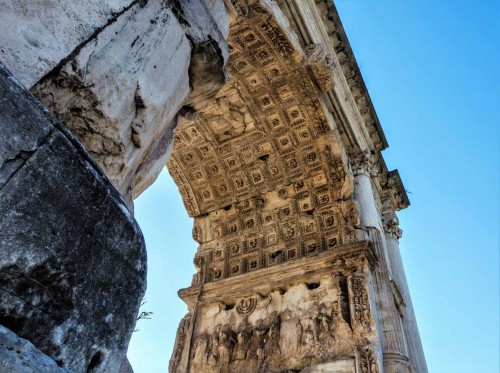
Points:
432	70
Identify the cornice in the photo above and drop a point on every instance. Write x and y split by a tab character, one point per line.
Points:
352	73
271	278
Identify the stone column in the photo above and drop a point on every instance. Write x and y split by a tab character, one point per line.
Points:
393	233
393	346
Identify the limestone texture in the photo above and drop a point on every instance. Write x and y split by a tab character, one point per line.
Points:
121	92
20	356
73	261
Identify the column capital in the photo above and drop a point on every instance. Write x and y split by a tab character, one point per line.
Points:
365	163
391	225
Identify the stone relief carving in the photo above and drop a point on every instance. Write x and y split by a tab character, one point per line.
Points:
287	329
359	301
368	362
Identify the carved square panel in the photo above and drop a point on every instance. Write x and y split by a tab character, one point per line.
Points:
266	102
271	238
289	230
311	248
198	175
216	273
253	263
250	222
213	169
263	56
329	220
266	148
206	195
254	80
249	38
285	142
189	158
234	248
233	162
242	66
324	198
235	267
252	244
319	179
274	71
306	204
216	256
268	218
256	176
299	186
285	92
303	135
295	115
232	227
223	189
206	151
308	226
331	242
293	164
285	212
274	121
240	181
193	133
291	254
311	157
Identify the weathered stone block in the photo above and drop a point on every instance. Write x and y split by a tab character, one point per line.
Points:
73	260
120	92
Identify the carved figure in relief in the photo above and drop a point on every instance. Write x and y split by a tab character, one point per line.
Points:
243	339
213	354
199	357
225	345
323	324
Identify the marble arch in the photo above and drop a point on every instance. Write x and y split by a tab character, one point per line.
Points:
290	265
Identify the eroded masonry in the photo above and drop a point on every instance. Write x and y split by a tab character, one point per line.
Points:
298	267
260	112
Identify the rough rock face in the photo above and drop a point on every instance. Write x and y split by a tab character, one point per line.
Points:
19	355
73	263
120	93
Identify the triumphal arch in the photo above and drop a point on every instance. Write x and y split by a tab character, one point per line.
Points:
260	113
298	265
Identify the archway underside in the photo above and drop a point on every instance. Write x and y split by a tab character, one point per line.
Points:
263	173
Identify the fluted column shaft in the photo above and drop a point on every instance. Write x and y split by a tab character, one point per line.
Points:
415	349
393	345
